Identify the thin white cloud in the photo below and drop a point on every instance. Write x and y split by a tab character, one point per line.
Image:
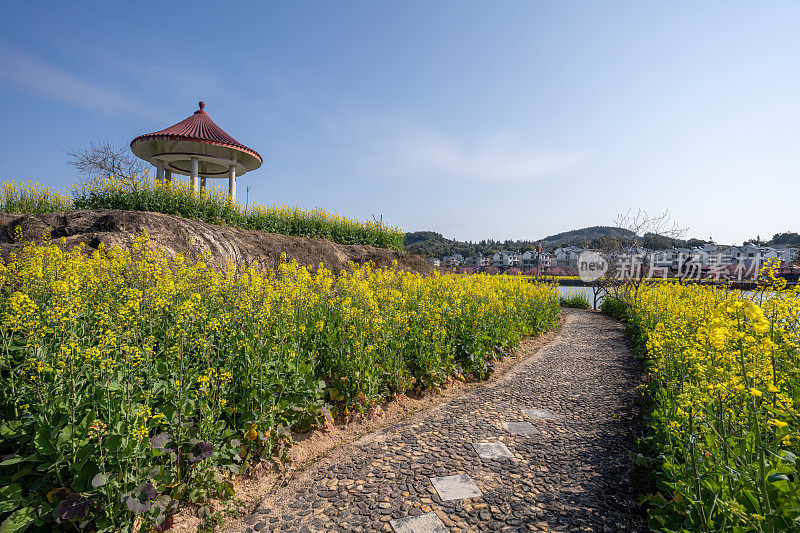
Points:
29	73
396	149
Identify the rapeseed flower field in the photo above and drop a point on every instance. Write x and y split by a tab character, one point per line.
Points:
142	193
131	380
30	197
724	382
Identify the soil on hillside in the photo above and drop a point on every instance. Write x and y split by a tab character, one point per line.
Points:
192	238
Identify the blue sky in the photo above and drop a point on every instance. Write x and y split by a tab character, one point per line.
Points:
474	119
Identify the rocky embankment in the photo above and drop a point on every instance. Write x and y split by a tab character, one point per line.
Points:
192	238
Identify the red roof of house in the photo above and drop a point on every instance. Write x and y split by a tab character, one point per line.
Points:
198	127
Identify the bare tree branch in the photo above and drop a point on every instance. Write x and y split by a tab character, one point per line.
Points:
105	159
641	223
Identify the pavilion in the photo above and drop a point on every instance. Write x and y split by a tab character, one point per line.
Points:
198	148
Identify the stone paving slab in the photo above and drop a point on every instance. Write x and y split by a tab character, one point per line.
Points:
424	523
540	414
521	428
492	450
570	477
455	488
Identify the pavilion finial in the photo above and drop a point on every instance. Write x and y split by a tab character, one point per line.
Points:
202	105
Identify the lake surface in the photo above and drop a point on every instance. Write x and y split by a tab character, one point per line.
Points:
586	291
589	293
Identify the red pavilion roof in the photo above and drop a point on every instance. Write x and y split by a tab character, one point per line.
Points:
198	127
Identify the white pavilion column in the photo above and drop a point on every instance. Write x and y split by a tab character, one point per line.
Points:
160	169
195	172
168	176
232	184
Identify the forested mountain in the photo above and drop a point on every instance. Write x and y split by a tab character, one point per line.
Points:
789	239
432	244
585	237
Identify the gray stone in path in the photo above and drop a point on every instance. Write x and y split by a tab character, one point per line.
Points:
540	414
520	428
455	488
492	450
424	523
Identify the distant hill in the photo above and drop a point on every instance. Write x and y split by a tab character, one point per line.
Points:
584	236
432	244
789	239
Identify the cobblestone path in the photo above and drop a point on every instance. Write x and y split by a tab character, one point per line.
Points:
568	473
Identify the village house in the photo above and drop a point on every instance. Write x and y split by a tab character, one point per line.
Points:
785	254
697	260
478	261
747	255
506	259
664	258
771	254
455	260
693	256
567	256
726	255
531	259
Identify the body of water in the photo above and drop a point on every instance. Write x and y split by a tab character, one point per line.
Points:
586	291
589	293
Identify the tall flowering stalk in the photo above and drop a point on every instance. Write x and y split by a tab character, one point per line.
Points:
724	379
30	197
